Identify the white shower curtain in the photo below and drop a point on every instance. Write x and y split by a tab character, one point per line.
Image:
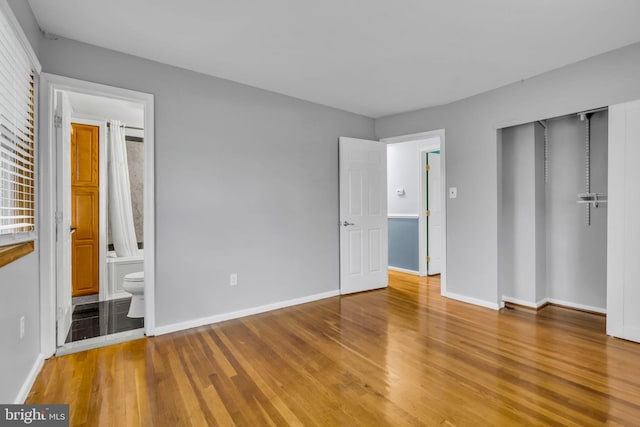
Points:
123	230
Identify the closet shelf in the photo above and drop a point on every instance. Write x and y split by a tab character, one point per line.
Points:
592	198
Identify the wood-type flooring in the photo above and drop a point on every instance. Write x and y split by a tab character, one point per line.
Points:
398	356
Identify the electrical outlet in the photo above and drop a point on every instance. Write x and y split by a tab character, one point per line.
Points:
233	279
21	327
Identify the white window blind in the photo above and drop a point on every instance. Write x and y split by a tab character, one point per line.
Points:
17	139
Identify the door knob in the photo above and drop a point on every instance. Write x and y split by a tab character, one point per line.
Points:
73	229
346	224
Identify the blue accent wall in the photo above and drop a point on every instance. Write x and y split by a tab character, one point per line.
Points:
403	243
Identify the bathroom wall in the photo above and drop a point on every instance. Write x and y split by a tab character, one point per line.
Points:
135	159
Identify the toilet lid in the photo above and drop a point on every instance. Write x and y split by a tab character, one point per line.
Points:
135	277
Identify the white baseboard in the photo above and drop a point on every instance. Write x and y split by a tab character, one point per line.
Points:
544	301
404	270
470	300
31	378
577	306
525	303
174	327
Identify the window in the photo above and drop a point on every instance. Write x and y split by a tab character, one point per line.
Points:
17	140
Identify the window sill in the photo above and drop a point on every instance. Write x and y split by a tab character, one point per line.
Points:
11	253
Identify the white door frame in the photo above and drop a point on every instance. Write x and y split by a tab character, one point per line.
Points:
49	83
422	223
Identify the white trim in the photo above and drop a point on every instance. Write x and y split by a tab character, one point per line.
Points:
403	270
524	303
48	84
576	306
22	37
470	300
28	382
180	326
403	216
422	224
102	341
554	301
412	137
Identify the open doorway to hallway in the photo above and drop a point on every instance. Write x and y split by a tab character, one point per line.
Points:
416	208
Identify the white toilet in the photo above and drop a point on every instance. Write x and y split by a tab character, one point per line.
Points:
134	284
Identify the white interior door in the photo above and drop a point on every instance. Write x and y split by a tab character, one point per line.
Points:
63	216
623	227
434	241
363	215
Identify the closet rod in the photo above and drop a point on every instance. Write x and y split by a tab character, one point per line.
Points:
595	110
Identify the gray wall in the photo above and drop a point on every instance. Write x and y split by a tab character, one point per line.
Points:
472	157
19	296
576	253
403	243
22	11
246	182
19	289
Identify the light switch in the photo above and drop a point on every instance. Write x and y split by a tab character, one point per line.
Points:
453	192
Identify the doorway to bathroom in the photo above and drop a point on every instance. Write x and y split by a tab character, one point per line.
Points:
100	240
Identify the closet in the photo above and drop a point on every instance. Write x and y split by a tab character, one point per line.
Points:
553	225
569	200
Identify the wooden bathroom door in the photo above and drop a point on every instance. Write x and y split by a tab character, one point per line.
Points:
85	209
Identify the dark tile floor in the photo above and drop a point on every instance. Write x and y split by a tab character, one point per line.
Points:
101	318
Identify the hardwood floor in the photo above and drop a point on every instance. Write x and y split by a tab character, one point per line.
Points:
400	356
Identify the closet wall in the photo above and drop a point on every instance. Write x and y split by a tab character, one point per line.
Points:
576	252
523	252
548	253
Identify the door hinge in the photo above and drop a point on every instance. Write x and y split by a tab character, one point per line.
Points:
57	121
428	168
428	213
428	259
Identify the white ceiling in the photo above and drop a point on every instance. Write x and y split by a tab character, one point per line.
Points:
373	57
